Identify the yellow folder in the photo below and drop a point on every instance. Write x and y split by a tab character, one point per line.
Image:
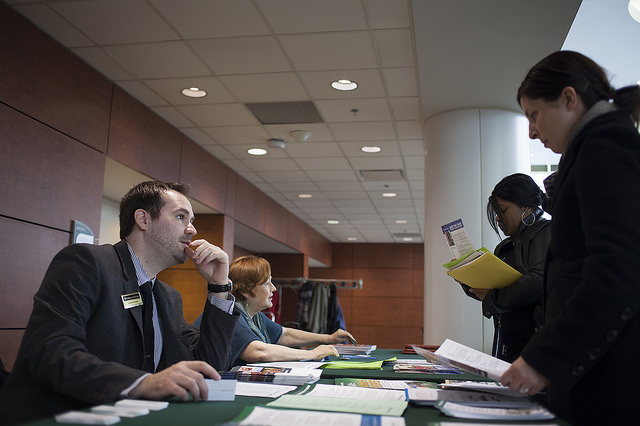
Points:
484	271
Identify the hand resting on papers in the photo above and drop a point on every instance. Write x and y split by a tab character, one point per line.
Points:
179	380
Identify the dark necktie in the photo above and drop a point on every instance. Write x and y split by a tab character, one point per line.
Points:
147	321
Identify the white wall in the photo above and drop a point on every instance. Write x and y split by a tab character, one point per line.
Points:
467	153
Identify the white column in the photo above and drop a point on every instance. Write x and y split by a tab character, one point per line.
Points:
467	153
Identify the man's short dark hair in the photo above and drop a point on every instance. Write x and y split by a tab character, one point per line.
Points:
147	196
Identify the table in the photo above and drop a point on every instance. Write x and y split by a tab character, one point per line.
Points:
218	413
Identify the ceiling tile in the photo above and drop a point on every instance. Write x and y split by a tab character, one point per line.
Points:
195	19
395	47
405	108
173	116
275	87
364	131
326	51
295	16
142	92
275	164
400	82
319	163
134	20
353	110
53	24
219	115
389	13
241	55
284	176
227	135
158	60
98	59
377	163
198	136
333	175
222	154
409	129
306	150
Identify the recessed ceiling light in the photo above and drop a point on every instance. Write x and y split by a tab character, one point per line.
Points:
407	239
371	149
401	221
305	195
352	239
194	92
333	222
343	84
257	151
389	194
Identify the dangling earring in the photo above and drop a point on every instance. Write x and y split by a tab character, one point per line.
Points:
523	219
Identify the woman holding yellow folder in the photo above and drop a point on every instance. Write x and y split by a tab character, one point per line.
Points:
515	208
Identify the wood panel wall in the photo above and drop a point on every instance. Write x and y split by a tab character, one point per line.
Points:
388	311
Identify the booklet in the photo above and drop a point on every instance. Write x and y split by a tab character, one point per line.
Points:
429	397
385	384
476	268
275	375
354	349
464	411
491	387
465	358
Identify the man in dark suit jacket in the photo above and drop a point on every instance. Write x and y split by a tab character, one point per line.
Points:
83	344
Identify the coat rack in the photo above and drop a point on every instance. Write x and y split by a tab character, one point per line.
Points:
298	282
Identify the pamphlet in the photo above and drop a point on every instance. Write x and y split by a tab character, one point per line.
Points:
476	268
457	239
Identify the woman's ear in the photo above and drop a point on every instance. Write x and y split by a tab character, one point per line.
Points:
569	98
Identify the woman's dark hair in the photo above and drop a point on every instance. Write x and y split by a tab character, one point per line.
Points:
246	273
519	189
561	69
147	196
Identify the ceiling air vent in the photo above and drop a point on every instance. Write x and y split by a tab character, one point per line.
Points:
285	112
381	175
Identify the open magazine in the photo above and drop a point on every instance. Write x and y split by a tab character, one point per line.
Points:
465	358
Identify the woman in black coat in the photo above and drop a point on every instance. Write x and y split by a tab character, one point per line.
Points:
515	208
587	352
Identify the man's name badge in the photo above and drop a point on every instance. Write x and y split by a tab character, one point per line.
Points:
131	300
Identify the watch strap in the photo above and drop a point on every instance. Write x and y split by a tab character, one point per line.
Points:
219	288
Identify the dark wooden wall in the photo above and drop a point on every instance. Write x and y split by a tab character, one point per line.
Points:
60	120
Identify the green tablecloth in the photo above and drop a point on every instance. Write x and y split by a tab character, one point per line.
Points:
218	413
